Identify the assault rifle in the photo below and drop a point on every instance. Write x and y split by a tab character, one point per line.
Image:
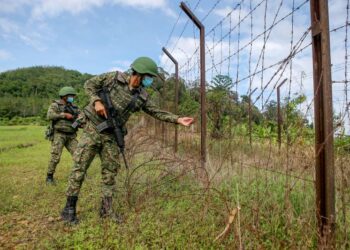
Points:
113	122
69	109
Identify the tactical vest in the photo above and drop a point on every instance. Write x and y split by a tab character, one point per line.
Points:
64	125
117	85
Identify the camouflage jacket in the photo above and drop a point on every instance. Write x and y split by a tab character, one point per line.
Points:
56	115
121	96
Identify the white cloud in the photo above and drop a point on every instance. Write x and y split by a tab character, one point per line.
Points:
234	14
10	29
52	8
8	6
7	26
113	69
34	40
147	4
120	65
5	55
222	12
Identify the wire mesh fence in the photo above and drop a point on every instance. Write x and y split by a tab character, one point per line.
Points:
262	191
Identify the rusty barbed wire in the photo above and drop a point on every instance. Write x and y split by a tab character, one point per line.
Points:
243	47
181	33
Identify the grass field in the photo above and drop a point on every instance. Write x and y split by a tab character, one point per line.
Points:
163	211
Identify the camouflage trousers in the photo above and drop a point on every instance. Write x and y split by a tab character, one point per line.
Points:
90	144
61	140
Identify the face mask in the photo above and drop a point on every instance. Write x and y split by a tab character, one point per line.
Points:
70	99
147	81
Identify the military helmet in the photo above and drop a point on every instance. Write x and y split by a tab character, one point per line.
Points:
145	65
67	91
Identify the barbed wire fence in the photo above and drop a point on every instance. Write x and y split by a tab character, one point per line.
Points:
254	46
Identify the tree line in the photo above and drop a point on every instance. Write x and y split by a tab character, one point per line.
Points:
226	108
27	92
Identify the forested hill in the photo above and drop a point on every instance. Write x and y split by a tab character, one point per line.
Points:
39	81
28	91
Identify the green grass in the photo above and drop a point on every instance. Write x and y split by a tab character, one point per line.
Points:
171	214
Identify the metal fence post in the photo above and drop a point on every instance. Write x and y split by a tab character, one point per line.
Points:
250	116
325	191
201	27
279	114
162	105
176	93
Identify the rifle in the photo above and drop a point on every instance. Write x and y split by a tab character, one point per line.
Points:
69	109
113	122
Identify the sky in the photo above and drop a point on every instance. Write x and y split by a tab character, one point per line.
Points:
92	36
97	36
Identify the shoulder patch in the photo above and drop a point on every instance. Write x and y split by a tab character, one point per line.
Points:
121	77
58	102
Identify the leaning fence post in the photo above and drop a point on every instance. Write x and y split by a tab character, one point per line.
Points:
201	28
279	114
176	93
250	116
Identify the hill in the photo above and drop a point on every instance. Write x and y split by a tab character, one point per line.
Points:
27	91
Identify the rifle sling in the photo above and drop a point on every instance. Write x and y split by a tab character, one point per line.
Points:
132	103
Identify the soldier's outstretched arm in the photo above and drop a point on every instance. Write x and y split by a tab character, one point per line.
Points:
53	113
153	110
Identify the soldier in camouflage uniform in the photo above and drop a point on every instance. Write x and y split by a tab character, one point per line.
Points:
122	90
62	114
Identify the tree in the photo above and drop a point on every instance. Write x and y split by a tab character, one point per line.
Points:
220	103
270	113
257	117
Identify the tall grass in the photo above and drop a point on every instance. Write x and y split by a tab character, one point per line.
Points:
165	203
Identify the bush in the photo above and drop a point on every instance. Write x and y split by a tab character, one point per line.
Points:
34	120
342	144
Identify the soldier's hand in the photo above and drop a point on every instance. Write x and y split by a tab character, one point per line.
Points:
68	116
100	109
185	121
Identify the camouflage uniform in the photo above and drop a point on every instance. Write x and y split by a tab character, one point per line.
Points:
64	134
92	142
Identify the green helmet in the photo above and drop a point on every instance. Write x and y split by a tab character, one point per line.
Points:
145	65
67	91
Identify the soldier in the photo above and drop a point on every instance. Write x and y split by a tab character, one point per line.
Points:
127	95
62	114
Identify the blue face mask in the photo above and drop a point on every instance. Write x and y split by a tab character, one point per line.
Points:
147	81
70	99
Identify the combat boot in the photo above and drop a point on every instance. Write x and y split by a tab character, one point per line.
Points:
50	180
107	211
69	213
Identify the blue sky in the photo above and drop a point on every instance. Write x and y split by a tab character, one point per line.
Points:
91	36
96	36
